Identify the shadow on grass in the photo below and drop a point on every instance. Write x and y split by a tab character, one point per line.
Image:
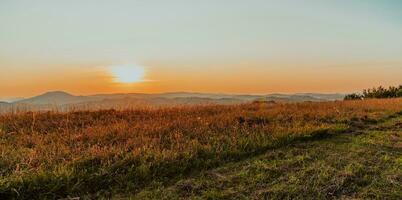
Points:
91	178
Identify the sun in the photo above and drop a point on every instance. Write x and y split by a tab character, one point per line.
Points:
127	73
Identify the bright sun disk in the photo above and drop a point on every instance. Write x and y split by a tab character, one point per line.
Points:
127	73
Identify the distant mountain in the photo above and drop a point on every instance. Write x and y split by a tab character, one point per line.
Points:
53	98
64	101
292	98
331	97
308	97
63	98
201	100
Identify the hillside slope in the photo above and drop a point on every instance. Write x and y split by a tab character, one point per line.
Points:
343	149
363	163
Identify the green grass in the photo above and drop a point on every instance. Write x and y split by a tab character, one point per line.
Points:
305	150
364	164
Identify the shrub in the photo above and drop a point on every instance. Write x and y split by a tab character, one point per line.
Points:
377	92
353	96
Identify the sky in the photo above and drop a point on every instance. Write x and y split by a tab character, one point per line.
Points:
230	46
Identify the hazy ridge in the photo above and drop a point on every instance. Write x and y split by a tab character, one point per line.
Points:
62	100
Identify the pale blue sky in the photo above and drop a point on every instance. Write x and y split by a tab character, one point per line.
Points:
182	35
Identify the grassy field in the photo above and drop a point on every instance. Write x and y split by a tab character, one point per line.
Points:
346	149
361	164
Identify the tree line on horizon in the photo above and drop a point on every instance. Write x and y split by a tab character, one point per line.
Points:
377	92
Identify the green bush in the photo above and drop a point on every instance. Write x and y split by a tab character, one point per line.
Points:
377	92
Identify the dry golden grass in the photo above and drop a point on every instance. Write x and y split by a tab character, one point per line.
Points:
108	151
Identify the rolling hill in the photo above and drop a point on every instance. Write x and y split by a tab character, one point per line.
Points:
64	101
329	150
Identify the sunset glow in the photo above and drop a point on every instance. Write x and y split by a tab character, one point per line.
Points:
213	46
127	73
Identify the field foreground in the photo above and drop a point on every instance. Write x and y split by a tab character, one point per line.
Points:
348	149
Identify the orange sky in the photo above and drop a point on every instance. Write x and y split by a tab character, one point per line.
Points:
208	46
240	78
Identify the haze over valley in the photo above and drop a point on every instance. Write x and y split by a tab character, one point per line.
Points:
64	101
